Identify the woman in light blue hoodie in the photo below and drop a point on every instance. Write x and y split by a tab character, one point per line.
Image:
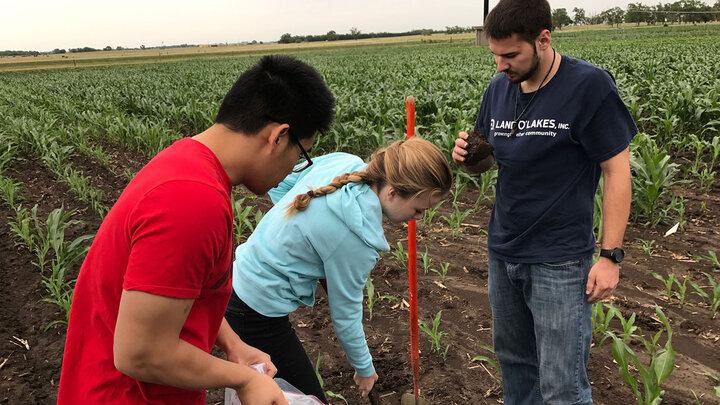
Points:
337	238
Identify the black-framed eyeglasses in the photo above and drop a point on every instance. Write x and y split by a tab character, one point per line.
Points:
301	165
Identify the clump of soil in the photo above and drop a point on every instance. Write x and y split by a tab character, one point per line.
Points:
478	149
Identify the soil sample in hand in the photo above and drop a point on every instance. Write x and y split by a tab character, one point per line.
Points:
478	148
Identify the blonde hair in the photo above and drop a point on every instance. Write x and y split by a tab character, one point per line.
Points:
411	167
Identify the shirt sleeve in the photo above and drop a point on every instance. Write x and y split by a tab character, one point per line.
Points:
178	232
346	274
611	128
481	122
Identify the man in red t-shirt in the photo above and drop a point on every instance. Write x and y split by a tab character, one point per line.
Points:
151	293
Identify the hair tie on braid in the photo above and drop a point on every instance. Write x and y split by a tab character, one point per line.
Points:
311	194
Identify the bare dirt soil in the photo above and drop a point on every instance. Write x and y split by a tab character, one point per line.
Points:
31	357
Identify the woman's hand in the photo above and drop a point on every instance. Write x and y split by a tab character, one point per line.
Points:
365	384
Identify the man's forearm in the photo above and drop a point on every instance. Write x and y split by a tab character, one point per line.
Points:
147	346
188	367
227	338
616	206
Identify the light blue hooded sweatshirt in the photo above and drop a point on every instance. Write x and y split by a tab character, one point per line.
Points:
338	238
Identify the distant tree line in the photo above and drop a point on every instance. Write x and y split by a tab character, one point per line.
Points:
682	11
19	53
57	51
355	33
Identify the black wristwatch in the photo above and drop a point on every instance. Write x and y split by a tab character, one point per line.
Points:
616	255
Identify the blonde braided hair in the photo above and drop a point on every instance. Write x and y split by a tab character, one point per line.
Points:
412	167
301	201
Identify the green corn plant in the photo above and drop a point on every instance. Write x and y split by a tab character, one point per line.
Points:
435	335
456	218
716	379
328	393
647	246
81	186
56	157
598	210
53	235
697	146
668	283
61	294
714	150
50	247
8	154
257	217
425	260
681	293
128	174
653	178
430	213
42	238
10	189
601	320
68	254
96	153
677	204
443	271
711	257
628	327
22	227
373	298
712	301
493	363
486	188
706	178
462	179
51	239
662	363
400	255
247	217
704	173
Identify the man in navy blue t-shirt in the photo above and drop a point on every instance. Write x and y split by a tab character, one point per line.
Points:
556	124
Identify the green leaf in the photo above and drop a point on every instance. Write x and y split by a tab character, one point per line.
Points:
663	365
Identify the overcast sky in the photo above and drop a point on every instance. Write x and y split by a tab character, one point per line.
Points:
43	25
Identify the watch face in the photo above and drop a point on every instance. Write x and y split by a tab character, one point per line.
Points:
618	254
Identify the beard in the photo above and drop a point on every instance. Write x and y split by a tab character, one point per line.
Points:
521	77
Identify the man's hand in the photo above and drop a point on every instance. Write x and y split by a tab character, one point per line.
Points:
365	384
482	158
602	280
247	355
261	390
459	152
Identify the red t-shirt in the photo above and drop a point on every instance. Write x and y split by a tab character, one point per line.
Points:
169	234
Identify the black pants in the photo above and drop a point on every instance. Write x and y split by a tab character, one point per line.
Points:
276	337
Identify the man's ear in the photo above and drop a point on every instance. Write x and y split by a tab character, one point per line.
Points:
544	39
277	132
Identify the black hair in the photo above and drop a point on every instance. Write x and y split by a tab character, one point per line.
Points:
278	88
527	18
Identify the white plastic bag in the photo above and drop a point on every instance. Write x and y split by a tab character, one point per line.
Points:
292	394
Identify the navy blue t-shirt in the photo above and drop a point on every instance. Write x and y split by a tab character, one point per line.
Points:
548	173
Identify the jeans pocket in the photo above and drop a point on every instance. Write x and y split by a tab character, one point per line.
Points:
563	265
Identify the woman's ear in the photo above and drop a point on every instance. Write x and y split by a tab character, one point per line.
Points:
390	192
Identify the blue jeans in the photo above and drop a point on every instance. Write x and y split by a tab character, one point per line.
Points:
541	330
